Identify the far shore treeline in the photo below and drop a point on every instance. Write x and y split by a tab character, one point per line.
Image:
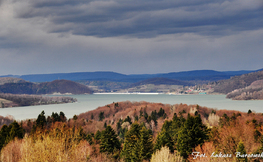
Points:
135	131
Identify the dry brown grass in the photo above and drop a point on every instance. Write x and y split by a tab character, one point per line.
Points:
164	155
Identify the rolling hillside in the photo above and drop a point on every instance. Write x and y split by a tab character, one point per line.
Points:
57	86
253	91
4	80
237	82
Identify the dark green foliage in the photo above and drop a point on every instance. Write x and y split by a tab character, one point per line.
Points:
62	117
167	125
249	111
116	104
4	133
8	133
101	116
109	141
75	117
119	125
121	131
241	149
161	112
254	121
141	113
214	112
224	120
136	118
145	144
55	117
105	124
138	144
154	117
260	149
89	139
92	117
191	135
169	133
97	136
15	131
164	139
41	120
196	113
233	117
128	119
257	135
145	116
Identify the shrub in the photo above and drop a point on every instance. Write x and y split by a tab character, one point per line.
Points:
164	155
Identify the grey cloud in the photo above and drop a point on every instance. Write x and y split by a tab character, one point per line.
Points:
45	36
146	18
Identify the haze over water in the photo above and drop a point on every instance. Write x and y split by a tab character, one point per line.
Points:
90	102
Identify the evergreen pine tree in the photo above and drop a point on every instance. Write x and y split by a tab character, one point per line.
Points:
137	144
41	120
241	150
97	136
4	133
109	141
164	139
15	131
190	135
145	144
8	133
101	116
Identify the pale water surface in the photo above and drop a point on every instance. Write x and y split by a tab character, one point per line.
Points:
91	102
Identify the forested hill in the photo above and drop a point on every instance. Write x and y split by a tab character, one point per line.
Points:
4	80
57	86
253	91
237	82
135	131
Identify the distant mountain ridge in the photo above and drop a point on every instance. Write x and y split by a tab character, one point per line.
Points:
159	81
209	75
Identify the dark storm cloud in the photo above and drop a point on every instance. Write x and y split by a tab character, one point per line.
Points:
146	18
129	36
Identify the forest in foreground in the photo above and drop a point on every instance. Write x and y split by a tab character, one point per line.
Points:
135	131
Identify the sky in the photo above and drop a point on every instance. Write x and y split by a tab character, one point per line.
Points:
130	36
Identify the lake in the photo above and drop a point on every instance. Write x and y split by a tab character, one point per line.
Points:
90	102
